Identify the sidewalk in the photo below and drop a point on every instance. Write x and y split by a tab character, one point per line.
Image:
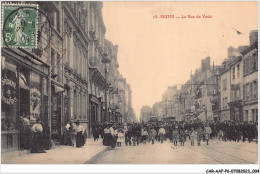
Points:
62	155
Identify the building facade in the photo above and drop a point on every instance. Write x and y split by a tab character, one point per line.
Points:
65	78
250	82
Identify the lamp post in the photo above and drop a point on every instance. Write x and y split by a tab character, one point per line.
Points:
105	61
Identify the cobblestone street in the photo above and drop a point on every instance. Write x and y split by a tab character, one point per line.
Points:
217	152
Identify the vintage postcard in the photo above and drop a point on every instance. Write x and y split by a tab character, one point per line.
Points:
130	82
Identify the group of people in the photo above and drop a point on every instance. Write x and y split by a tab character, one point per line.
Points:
136	133
74	134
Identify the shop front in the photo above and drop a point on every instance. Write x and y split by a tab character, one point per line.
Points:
236	110
56	111
94	111
24	94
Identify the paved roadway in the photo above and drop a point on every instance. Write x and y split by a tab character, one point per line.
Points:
217	152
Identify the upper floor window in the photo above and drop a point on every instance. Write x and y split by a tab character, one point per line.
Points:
58	22
255	88
234	71
238	70
224	84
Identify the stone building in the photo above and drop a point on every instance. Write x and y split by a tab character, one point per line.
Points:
76	40
30	82
250	82
65	78
146	113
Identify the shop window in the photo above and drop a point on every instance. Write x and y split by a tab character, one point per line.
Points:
9	97
35	96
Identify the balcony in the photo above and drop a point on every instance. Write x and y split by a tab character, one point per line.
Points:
96	64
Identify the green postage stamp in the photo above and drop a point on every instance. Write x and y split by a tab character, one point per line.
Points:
19	25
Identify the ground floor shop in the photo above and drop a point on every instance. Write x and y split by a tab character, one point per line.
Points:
24	93
236	110
251	112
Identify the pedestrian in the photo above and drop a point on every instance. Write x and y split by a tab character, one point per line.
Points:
37	138
238	131
152	134
107	136
80	136
120	137
193	136
199	134
128	136
175	136
161	133
65	139
207	132
244	131
182	136
144	135
135	135
113	138
96	132
25	132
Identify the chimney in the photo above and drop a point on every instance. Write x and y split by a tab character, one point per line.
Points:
253	36
242	48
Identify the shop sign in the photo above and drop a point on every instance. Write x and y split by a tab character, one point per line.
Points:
8	91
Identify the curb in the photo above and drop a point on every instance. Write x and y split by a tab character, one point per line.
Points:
95	157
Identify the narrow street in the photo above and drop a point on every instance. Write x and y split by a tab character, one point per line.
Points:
217	152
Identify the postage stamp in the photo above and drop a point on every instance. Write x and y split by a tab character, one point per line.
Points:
19	25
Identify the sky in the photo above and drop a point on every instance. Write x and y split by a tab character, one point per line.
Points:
154	53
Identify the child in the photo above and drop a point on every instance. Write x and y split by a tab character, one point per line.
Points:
193	135
120	135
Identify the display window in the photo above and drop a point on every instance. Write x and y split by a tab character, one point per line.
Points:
9	93
35	96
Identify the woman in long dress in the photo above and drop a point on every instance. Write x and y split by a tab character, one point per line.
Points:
37	138
107	135
65	140
80	137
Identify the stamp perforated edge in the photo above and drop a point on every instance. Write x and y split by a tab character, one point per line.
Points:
2	23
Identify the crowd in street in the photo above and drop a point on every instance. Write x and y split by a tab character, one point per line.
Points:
36	137
132	134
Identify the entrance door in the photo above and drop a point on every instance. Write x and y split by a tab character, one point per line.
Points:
24	101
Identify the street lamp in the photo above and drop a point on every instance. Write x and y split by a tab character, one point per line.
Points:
105	61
